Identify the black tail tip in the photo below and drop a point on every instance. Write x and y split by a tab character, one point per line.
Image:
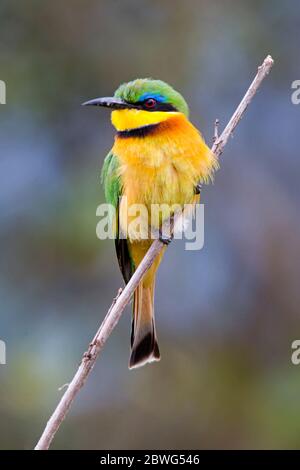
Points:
146	351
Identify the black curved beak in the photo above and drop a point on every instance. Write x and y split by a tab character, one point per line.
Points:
109	102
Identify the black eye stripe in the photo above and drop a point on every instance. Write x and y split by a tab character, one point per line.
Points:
158	107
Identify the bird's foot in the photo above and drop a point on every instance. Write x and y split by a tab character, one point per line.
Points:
198	188
165	239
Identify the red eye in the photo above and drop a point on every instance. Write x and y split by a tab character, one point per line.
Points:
150	103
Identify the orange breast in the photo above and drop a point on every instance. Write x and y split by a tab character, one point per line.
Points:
164	166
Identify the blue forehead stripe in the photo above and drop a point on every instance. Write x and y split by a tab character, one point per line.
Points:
156	96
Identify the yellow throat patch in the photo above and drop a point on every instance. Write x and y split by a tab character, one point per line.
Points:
126	119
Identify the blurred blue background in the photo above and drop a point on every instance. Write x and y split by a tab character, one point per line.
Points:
226	315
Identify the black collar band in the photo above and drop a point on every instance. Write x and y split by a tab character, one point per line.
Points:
138	131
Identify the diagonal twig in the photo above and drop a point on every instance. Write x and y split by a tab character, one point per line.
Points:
123	297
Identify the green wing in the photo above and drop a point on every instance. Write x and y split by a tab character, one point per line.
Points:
111	181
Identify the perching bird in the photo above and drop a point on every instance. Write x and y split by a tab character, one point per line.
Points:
158	157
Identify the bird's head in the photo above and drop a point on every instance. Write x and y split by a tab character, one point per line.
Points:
142	102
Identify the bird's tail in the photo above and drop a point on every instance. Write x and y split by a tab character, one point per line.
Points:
144	347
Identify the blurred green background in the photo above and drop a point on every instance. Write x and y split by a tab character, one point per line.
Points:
226	315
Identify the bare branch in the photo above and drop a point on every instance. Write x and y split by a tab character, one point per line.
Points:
123	297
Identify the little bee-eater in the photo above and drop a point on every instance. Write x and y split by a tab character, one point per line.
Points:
158	157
